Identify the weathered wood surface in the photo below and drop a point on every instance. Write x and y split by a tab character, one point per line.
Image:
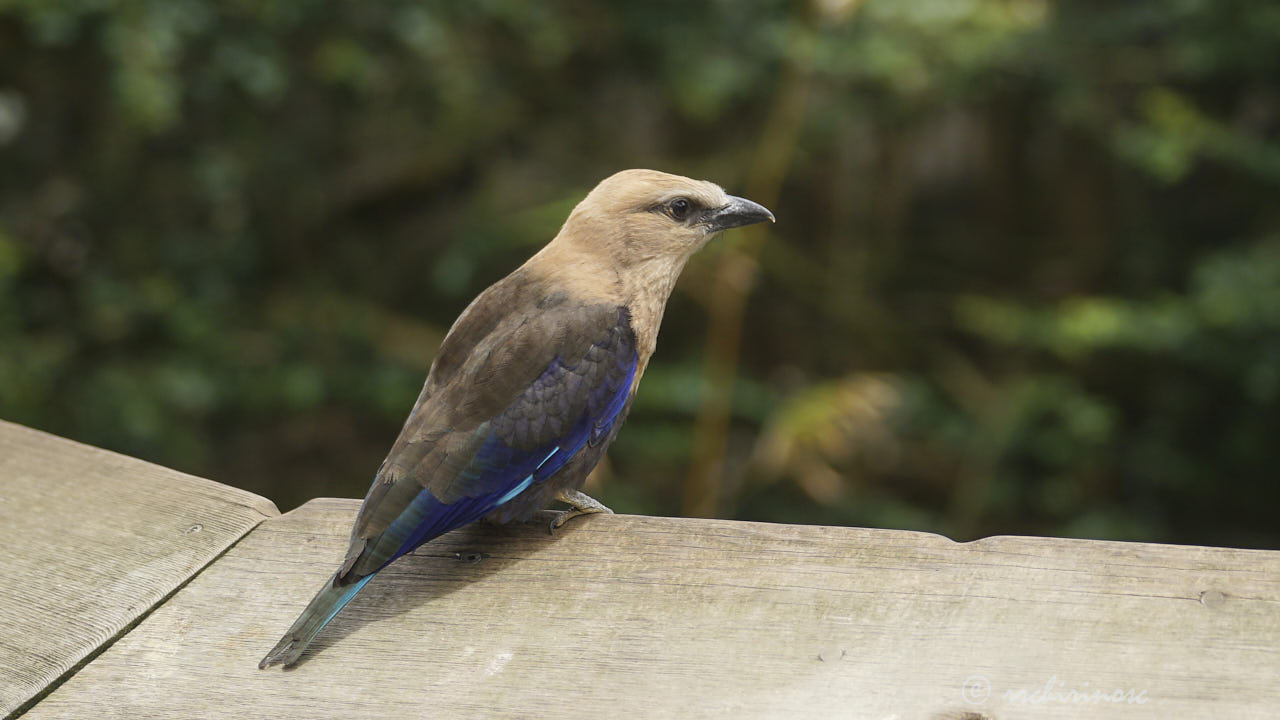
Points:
89	541
637	617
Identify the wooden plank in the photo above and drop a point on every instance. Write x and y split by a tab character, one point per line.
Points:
91	541
639	617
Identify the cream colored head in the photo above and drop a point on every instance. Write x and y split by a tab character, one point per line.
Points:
637	216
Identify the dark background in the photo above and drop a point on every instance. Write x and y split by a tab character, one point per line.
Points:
1025	276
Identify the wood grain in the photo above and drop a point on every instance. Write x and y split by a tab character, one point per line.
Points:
91	540
638	617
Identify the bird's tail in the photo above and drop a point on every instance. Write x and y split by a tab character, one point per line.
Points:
319	612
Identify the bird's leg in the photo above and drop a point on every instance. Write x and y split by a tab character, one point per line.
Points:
581	503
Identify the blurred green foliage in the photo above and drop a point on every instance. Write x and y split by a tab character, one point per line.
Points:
1026	274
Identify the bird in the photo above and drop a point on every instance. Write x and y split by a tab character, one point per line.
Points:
533	380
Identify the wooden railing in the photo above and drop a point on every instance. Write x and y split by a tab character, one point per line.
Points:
131	591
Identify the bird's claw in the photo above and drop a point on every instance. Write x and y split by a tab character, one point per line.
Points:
581	503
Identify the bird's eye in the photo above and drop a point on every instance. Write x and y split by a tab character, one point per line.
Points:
679	208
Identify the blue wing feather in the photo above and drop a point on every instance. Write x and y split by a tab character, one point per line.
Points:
508	471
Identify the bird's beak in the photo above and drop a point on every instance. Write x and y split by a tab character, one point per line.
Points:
736	213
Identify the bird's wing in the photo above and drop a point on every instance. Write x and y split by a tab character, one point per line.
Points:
533	389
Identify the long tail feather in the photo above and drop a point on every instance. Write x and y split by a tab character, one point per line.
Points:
319	612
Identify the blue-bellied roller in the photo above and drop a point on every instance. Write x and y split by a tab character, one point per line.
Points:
532	382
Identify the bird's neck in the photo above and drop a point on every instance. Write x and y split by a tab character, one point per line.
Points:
642	287
649	285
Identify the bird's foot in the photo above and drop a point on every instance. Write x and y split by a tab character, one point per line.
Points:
581	503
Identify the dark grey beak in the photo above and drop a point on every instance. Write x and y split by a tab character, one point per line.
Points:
736	213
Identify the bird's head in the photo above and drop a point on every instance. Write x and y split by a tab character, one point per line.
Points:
640	215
